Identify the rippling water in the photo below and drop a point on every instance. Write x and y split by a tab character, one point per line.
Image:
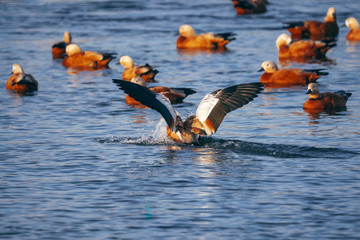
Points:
77	163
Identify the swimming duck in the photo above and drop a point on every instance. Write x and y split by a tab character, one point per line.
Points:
175	95
325	101
146	71
188	39
354	33
20	81
307	49
314	29
58	49
86	60
288	76
209	114
249	6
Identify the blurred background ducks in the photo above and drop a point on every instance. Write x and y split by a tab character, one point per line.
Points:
302	49
20	81
315	30
189	40
249	6
354	33
327	101
146	71
58	49
288	76
88	60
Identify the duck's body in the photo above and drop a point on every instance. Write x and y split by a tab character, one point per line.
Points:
315	29
302	49
189	40
146	71
243	7
209	115
326	101
86	60
58	49
20	81
354	33
288	76
175	95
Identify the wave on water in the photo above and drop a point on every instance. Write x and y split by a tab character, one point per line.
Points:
159	137
277	150
242	147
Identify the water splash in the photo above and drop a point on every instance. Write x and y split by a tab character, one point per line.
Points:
159	137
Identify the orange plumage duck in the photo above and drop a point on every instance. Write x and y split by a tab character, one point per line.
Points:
315	30
327	101
146	71
58	49
243	7
354	33
288	76
188	39
87	60
302	49
21	82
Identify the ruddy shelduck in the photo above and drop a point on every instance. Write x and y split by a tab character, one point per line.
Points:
20	81
306	49
249	6
58	49
354	33
86	60
326	101
175	95
189	40
314	29
146	71
288	76
209	114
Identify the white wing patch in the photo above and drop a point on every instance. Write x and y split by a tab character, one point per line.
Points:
204	109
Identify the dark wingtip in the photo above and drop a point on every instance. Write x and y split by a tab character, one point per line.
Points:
293	24
186	91
146	97
109	55
244	4
227	36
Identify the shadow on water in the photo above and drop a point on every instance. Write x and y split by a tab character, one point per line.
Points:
242	147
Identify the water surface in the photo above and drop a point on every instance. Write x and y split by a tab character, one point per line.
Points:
78	163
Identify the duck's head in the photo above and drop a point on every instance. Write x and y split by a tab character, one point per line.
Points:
67	37
269	67
186	31
352	23
16	68
330	15
72	49
126	62
313	89
283	39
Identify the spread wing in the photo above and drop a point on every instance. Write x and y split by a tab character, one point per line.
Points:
214	106
150	99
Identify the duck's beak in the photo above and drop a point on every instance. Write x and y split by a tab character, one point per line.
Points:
308	91
260	70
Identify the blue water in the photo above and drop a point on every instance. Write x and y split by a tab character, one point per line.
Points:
77	163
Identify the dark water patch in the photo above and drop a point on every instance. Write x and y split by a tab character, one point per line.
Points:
277	150
243	147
